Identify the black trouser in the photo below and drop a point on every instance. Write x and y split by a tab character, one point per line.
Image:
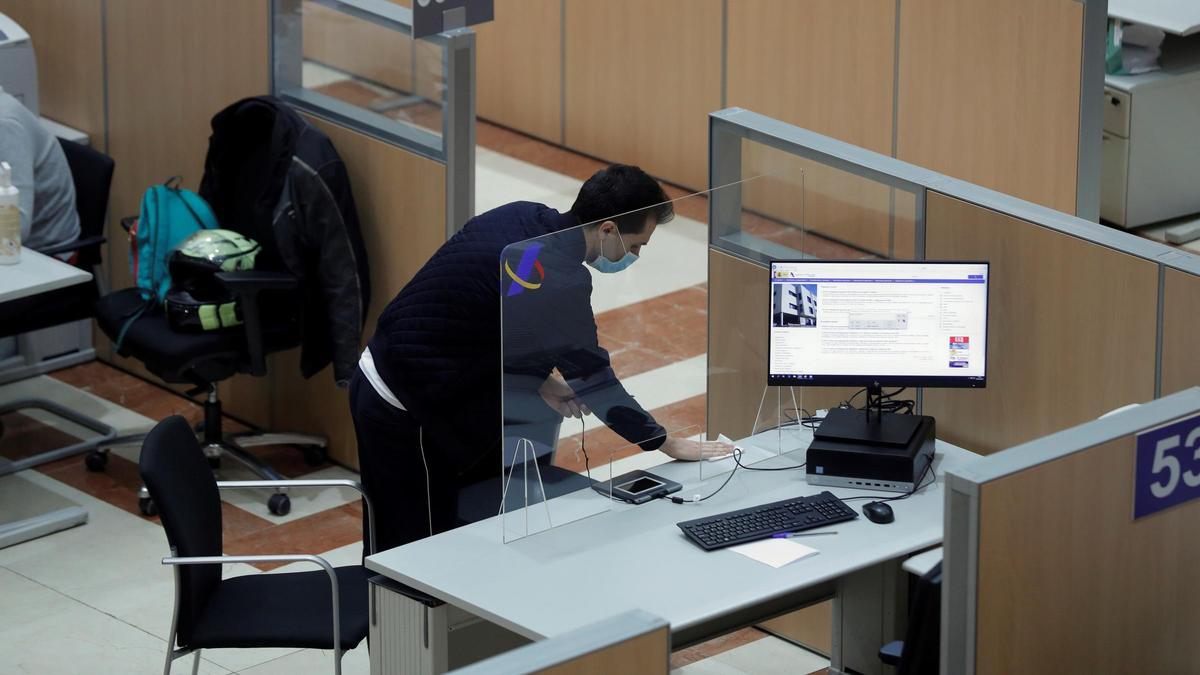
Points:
404	471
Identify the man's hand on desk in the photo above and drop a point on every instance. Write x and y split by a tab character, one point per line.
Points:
691	451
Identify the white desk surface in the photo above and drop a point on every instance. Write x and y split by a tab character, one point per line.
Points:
37	273
1181	17
635	557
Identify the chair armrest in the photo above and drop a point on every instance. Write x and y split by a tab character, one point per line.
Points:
74	245
314	559
921	563
311	483
246	286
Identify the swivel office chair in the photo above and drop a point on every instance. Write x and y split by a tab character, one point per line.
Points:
294	609
205	359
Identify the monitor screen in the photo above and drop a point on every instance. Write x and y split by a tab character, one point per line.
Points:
895	323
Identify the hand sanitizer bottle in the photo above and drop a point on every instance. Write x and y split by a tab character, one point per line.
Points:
10	218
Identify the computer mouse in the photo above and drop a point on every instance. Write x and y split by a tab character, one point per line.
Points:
878	512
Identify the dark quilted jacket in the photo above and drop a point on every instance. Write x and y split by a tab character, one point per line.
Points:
437	345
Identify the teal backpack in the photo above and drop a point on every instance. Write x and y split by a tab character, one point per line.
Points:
169	214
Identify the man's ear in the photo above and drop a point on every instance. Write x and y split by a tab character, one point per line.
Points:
608	226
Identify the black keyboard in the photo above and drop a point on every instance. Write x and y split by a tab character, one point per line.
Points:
759	522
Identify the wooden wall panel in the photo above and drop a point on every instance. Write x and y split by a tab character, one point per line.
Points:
989	92
1069	583
737	354
401	203
518	59
641	79
1071	328
1181	332
161	99
67	42
825	65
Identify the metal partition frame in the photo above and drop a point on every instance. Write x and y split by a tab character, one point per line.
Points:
455	147
960	567
728	128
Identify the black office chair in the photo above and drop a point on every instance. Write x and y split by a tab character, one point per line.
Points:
295	609
920	650
91	173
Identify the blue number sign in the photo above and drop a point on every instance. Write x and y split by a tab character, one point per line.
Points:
1167	470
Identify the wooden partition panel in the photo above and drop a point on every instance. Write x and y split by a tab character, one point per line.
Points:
646	654
67	42
519	66
1071	328
171	67
989	92
641	78
401	202
1181	331
1070	583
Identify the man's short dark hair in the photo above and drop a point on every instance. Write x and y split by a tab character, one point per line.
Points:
622	193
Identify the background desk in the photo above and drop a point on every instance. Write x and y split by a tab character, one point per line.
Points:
36	511
635	557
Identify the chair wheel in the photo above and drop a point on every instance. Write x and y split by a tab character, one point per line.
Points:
96	460
314	455
147	506
279	504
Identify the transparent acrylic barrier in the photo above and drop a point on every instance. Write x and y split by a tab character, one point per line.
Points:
625	349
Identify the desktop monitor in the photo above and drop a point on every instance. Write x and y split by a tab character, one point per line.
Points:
878	323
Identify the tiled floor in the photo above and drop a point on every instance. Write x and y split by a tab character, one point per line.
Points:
111	608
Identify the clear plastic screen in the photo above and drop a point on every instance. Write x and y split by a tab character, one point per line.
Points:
614	363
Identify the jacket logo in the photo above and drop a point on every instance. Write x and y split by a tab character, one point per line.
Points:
521	278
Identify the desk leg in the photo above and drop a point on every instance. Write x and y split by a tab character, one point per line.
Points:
868	612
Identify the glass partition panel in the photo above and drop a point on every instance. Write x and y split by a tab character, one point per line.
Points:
844	215
605	357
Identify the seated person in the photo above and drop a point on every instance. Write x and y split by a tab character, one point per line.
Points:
41	174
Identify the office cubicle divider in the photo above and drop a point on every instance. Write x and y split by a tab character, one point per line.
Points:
1083	317
1048	566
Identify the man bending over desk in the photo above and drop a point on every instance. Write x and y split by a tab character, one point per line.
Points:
426	399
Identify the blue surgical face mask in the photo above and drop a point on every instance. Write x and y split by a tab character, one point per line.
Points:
603	264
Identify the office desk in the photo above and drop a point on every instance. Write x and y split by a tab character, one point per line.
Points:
635	557
34	275
33	280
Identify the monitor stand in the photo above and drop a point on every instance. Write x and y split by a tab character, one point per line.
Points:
870	426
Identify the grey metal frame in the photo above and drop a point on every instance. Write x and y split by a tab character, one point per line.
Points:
1091	116
728	128
455	147
175	561
960	567
107	435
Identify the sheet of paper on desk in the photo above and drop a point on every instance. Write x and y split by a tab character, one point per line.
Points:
774	552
